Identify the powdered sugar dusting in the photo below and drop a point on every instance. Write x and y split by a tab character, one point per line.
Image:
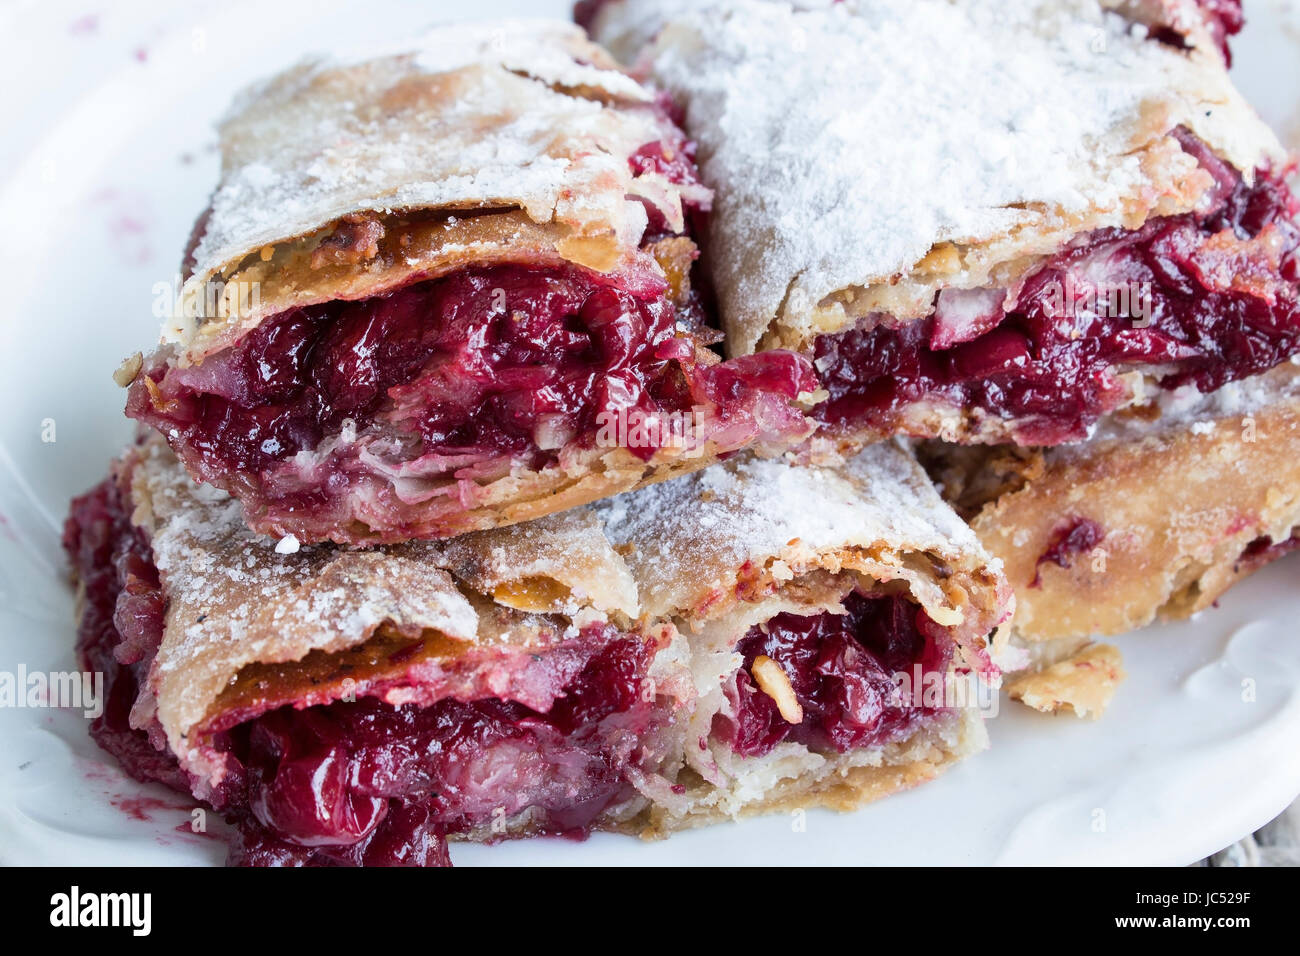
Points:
569	548
548	51
686	537
233	599
845	140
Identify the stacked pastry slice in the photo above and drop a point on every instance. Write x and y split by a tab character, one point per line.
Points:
1146	520
461	263
1050	229
759	636
450	289
839	622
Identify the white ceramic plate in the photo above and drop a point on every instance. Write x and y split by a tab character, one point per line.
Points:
106	157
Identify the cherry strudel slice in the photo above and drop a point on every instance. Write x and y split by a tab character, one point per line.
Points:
839	622
450	289
578	672
343	707
989	220
1155	517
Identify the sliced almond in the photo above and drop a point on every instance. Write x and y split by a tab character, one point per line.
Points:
773	682
945	616
128	370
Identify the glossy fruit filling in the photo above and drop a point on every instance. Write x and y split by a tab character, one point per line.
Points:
334	781
362	782
1202	299
421	393
843	669
120	627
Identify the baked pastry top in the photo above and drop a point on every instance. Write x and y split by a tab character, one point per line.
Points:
866	154
699	544
626	27
964	212
524	128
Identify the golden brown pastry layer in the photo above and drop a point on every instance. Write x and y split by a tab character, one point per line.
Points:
1165	517
438	289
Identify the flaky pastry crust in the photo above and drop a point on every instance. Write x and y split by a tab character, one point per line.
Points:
478	143
1177	506
252	626
850	180
1081	684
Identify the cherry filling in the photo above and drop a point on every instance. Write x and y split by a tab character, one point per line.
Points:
476	363
365	783
1202	299
842	668
121	625
1077	536
1265	550
461	376
331	780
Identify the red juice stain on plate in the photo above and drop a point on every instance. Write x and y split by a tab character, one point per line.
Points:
144	807
84	26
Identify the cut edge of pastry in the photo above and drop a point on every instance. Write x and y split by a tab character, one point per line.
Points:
1162	553
350	233
792	783
1174	185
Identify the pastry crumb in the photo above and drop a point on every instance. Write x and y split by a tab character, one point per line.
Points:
1083	683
